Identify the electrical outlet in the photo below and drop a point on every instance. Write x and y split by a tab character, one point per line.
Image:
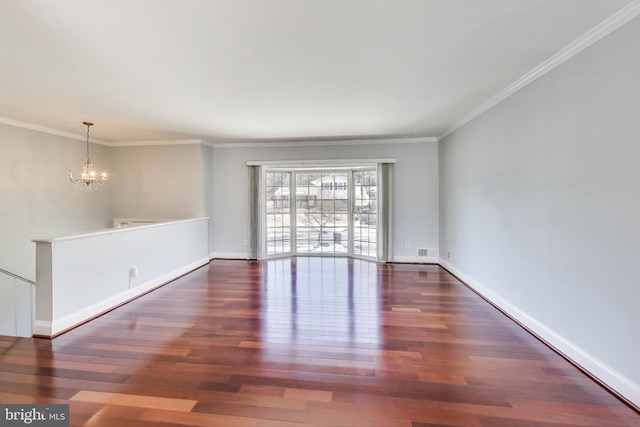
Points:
407	244
133	272
245	242
448	255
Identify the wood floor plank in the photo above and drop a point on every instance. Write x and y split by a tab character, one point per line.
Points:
138	401
429	377
330	342
197	419
181	352
303	394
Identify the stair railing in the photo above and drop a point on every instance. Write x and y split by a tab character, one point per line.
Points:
21	305
15	276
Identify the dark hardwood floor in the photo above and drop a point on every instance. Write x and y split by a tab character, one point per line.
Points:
306	342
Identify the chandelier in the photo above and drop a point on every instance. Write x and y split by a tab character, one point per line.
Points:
89	178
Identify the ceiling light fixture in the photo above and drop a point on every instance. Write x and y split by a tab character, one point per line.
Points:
89	178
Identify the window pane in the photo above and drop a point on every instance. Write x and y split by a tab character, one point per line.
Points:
365	213
278	210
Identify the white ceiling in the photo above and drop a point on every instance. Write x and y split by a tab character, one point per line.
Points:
273	70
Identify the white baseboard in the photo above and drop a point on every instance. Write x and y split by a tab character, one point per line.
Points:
229	255
41	328
57	326
416	259
595	367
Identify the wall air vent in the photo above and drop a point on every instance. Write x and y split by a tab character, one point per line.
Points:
424	252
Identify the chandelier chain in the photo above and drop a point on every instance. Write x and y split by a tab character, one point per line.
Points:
88	159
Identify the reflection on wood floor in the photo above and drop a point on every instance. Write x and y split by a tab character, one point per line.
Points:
306	342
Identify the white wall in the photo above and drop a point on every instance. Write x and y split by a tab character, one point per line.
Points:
36	197
162	181
415	181
540	207
82	276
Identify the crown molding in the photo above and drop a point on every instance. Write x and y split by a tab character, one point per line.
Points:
311	143
272	143
157	142
50	131
598	32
